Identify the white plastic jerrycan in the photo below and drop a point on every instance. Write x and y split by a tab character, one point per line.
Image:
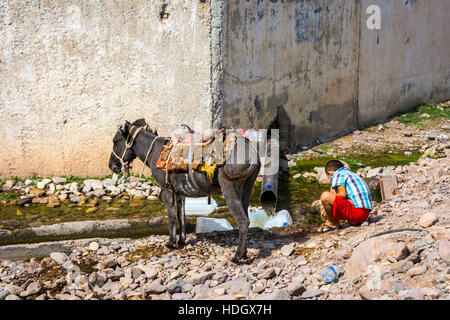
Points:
280	219
257	216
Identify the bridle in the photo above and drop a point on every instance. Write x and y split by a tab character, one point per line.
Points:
128	144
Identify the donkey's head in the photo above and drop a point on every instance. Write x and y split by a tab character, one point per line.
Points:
123	154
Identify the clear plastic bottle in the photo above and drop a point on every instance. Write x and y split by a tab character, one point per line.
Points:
330	274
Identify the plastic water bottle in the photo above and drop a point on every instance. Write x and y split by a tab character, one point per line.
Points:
330	274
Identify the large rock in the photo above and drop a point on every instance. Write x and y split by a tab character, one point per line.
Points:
372	250
296	287
444	250
59	180
269	273
373	173
9	184
149	271
427	220
201	278
33	288
322	176
16	290
237	286
155	287
277	294
74	187
287	249
312	293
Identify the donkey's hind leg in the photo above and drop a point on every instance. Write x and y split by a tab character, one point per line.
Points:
231	191
181	218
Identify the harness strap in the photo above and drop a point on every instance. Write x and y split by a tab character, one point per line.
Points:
190	168
148	153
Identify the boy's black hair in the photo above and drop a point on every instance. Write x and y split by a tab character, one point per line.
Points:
333	165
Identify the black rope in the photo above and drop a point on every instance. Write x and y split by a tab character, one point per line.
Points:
397	230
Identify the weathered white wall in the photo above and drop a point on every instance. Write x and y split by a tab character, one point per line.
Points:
407	62
71	71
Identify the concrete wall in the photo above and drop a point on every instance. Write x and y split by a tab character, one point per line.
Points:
407	62
295	60
315	67
71	71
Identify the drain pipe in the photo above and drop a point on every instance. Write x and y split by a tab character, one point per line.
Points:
269	186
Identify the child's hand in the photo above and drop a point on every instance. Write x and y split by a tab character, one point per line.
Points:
323	212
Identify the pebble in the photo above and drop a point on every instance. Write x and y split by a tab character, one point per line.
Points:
417	270
59	257
312	293
93	246
287	250
414	294
300	261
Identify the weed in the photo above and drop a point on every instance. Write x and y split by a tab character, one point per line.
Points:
420	115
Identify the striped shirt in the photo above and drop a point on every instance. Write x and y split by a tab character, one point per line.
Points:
357	190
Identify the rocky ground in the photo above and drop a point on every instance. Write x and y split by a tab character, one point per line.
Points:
410	264
57	190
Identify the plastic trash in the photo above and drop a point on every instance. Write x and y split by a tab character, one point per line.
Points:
330	274
280	219
199	206
205	225
257	216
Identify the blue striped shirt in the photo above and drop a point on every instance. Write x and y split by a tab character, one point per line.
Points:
357	190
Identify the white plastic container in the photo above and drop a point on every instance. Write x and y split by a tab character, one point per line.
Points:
199	206
205	225
257	216
280	219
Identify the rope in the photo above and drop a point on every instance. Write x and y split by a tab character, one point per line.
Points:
397	230
148	153
125	166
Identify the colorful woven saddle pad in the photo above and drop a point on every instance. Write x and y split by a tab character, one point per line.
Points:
206	154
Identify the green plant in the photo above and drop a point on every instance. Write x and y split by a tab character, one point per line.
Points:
324	148
8	196
415	117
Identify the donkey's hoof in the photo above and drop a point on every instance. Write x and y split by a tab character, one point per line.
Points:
170	245
235	259
181	244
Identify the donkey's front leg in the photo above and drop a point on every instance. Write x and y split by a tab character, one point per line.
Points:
167	197
181	218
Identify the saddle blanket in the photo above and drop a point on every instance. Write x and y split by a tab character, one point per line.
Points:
206	153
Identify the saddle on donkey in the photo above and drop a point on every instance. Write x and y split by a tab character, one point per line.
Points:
203	152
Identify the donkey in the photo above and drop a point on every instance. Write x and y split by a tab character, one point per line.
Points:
235	181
